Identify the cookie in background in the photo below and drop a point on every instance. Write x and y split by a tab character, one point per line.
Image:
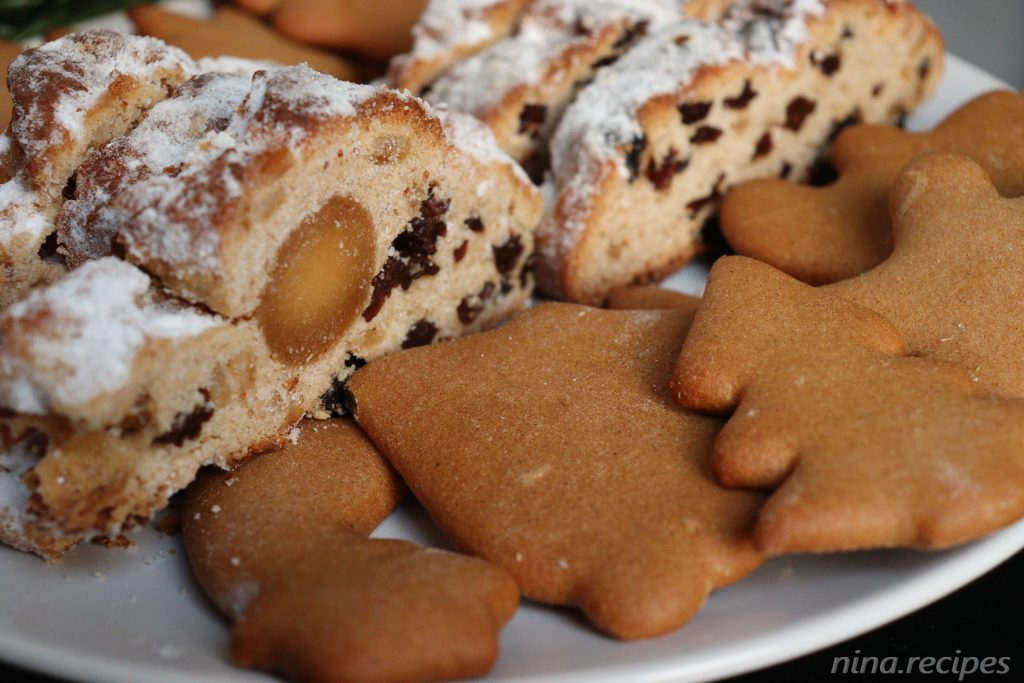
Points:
230	33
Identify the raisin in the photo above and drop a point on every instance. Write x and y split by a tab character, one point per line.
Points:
527	272
460	251
706	135
713	196
661	175
830	65
475	223
338	400
786	170
847	32
421	334
692	112
532	119
634	150
188	426
682	40
797	112
764	146
354	361
877	89
924	68
743	99
600	64
631	35
415	247
472	306
506	255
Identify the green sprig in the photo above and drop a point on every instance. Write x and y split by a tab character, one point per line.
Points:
21	19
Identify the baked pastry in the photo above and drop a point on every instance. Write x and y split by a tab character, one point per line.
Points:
203	105
521	85
230	33
69	96
280	545
450	30
642	156
322	224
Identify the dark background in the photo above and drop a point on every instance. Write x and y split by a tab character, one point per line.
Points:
986	618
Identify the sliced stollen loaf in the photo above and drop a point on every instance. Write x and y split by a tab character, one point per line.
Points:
450	30
520	86
322	225
69	95
88	222
642	156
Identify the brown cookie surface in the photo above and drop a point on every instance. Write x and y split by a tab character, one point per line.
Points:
954	285
234	34
552	447
375	28
279	544
862	446
825	234
651	298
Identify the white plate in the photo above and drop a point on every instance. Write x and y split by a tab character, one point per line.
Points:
134	616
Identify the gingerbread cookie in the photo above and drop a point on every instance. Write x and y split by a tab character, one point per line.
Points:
8	51
954	285
825	234
378	29
651	298
234	34
552	448
279	544
863	446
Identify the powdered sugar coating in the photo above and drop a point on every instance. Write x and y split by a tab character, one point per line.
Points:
170	216
158	145
772	30
56	85
475	140
78	338
549	29
446	23
23	213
